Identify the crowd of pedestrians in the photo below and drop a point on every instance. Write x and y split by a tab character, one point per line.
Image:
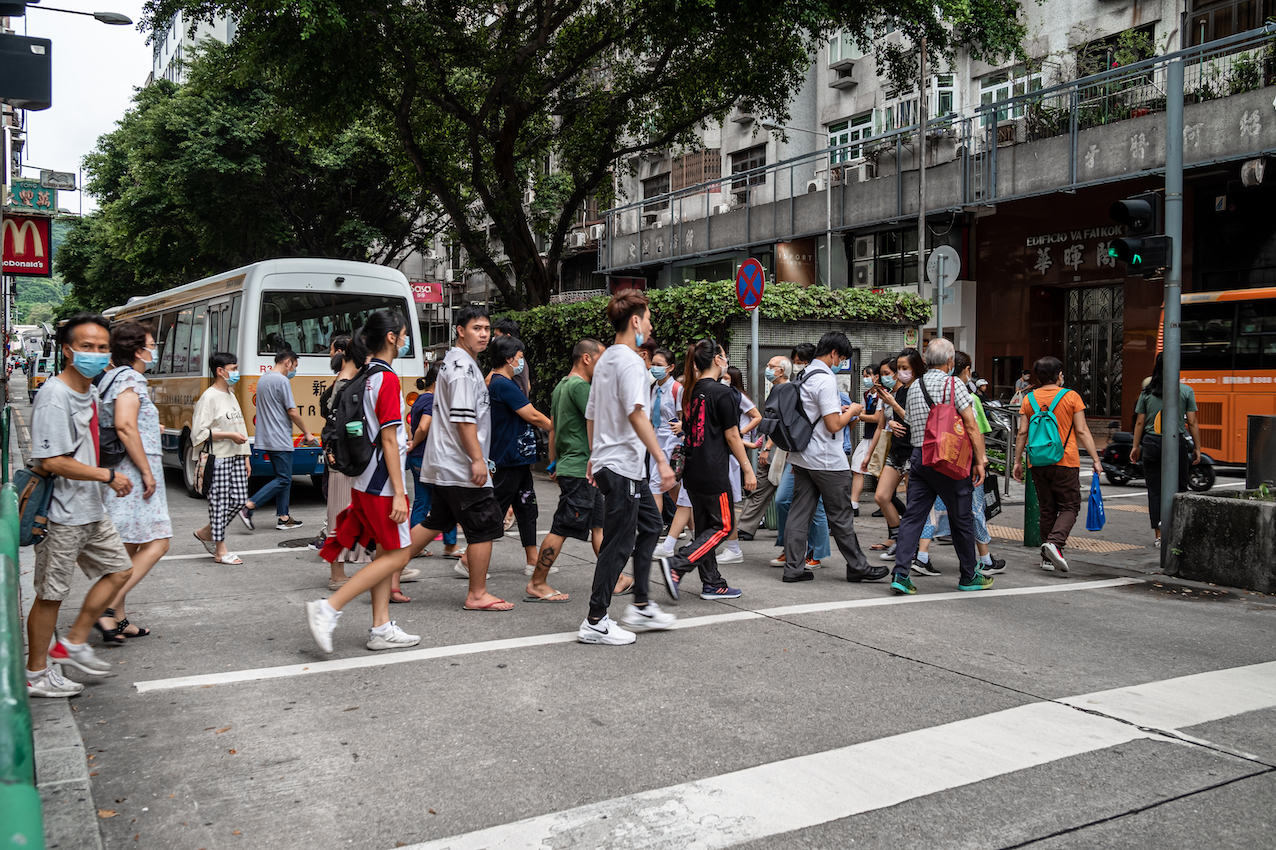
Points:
650	451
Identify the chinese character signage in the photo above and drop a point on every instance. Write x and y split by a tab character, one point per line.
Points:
427	292
28	196
1064	256
26	247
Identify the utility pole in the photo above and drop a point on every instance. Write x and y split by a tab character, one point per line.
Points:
921	177
1170	413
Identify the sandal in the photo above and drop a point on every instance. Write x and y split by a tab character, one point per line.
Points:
109	636
455	554
124	624
878	547
209	545
230	559
402	597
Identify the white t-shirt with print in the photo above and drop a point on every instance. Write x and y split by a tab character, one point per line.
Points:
619	387
460	396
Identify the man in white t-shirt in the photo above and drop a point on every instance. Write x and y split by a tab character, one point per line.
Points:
621	437
822	471
455	459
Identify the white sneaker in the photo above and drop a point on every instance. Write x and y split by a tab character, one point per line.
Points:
81	657
322	623
661	552
47	683
647	619
778	562
1051	553
1047	566
889	554
396	638
410	574
729	557
606	632
461	571
530	568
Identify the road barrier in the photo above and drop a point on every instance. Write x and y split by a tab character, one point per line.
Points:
21	818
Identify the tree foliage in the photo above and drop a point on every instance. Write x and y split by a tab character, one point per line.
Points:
211	175
700	310
480	94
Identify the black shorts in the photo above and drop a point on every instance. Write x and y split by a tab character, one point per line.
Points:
580	508
897	458
473	508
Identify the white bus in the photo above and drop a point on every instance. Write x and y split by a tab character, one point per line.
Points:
254	312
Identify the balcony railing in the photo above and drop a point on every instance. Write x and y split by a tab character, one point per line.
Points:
772	199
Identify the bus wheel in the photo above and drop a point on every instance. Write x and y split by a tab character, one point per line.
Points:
190	460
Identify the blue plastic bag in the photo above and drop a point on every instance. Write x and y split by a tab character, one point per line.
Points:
1094	517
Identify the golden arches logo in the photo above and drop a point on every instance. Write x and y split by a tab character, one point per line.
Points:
19	237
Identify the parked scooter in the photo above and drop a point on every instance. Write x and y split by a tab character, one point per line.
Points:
1120	471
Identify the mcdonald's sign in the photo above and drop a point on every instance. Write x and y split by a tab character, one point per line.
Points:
27	250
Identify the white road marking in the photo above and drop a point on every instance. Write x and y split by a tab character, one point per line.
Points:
1145	495
382	659
204	556
784	796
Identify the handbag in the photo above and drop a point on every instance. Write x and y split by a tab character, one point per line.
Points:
877	460
992	497
946	448
204	470
1094	516
678	461
111	449
35	492
779	457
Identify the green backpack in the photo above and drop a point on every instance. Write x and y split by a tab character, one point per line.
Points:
1045	447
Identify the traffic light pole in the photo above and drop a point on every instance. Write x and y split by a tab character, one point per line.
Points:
1171	416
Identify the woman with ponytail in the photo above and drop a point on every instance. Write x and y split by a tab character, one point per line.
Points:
711	430
378	512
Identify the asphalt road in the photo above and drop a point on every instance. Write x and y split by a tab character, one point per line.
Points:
1098	708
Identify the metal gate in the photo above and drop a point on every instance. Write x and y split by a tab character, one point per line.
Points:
1095	334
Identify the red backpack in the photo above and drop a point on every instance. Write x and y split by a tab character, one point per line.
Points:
946	447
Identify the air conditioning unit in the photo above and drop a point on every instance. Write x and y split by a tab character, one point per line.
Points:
722	209
862	274
863	248
663	219
577	239
597	231
816	185
862	173
431	254
449	275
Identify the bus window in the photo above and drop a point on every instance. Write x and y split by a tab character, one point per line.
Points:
306	321
1207	336
166	336
182	340
1256	335
232	334
216	317
197	339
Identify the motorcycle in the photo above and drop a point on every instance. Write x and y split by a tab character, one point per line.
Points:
1119	470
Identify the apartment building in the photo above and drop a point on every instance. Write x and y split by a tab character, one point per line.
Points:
176	42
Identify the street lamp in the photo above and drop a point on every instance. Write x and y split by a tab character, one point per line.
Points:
771	126
115	19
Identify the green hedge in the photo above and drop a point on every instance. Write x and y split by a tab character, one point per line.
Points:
683	314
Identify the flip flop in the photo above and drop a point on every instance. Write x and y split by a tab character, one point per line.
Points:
230	559
549	599
878	547
626	592
209	546
455	554
491	606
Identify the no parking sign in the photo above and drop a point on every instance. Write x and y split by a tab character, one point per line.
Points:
749	283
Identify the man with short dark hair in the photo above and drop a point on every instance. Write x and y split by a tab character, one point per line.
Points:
505	326
64	430
276	414
821	470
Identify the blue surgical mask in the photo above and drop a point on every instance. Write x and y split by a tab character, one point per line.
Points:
292	374
639	338
658	372
403	349
518	370
90	363
770	375
888	381
233	377
868	382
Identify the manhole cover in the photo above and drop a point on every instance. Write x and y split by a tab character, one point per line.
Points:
298	543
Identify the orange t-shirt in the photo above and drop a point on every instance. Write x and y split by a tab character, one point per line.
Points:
1068	407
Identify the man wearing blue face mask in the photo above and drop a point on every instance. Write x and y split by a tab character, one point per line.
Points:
513	447
276	414
64	428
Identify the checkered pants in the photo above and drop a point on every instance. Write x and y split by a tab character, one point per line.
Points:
228	493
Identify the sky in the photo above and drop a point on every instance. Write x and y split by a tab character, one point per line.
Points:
96	68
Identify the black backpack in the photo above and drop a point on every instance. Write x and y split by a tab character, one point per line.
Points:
783	418
346	446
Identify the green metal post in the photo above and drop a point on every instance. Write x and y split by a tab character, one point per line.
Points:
1031	513
6	424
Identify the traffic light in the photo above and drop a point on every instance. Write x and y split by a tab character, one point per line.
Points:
1143	248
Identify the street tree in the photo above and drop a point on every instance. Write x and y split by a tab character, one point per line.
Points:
211	175
483	95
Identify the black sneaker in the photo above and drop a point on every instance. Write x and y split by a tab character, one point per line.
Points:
855	511
744	535
805	575
671	578
877	514
925	569
997	566
870	574
247	518
288	524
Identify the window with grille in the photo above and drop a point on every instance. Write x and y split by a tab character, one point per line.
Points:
1004	85
654	187
1210	21
747	160
695	168
845	132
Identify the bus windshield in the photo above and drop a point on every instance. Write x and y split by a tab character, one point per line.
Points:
306	321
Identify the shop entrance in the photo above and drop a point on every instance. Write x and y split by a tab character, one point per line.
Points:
1095	333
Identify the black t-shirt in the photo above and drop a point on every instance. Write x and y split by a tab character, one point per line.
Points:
898	443
714	410
871	402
